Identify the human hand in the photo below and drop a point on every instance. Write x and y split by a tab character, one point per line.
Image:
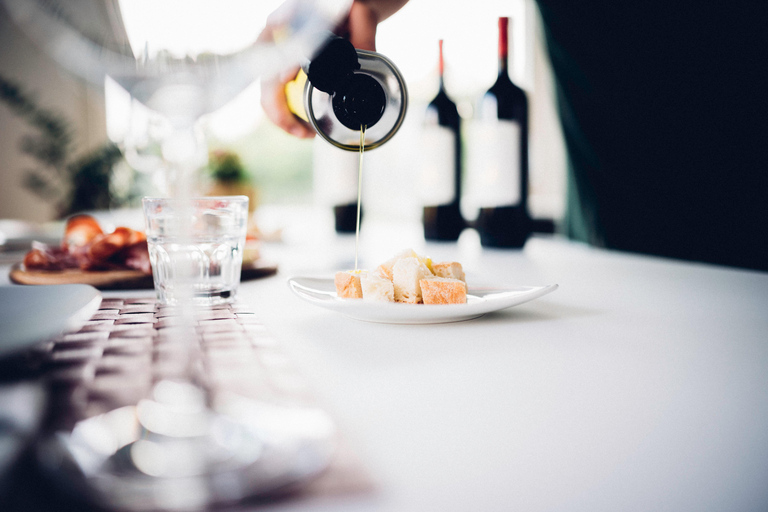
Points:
275	105
360	28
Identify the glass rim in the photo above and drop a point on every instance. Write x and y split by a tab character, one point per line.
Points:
149	199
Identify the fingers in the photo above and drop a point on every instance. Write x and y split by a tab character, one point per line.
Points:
361	26
275	106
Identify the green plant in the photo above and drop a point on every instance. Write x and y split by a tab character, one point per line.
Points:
226	166
73	184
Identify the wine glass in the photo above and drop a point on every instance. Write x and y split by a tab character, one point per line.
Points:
180	448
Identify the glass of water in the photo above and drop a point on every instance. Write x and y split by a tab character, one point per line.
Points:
196	247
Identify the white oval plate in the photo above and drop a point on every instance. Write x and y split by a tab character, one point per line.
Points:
321	291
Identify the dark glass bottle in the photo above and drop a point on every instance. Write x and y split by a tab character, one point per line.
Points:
443	163
345	217
503	219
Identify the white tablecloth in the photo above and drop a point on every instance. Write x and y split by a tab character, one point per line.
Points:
640	384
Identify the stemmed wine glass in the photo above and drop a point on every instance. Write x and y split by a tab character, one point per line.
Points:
180	451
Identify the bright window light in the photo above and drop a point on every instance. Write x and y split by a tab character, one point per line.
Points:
192	27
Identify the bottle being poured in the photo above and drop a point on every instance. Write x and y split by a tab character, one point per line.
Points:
354	99
343	89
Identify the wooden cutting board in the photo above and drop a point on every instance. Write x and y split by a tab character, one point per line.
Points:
116	279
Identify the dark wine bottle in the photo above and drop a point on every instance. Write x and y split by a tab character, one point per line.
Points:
335	175
345	217
503	219
441	178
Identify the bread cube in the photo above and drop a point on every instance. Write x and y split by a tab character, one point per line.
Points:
443	290
406	274
385	269
348	284
450	269
377	288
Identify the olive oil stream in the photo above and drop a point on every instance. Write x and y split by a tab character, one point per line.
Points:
359	193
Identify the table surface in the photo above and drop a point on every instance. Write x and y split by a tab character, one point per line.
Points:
640	384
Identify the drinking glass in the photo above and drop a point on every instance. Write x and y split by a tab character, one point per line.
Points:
210	260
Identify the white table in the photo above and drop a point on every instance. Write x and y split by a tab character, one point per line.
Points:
640	384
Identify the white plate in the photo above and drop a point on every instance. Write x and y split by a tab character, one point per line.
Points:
30	314
321	291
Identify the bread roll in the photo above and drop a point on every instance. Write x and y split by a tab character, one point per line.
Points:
450	269
377	288
348	284
406	274
385	269
443	290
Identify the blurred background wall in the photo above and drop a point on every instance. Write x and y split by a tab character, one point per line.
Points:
39	78
280	165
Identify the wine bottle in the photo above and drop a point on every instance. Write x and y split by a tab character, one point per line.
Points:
441	165
335	176
502	146
345	217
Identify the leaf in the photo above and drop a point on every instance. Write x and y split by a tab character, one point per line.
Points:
53	126
41	186
11	94
91	176
44	150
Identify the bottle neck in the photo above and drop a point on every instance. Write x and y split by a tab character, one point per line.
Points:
441	65
503	46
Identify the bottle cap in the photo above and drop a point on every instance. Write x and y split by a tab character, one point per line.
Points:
333	65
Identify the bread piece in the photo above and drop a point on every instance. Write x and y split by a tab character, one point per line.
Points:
450	269
443	290
385	269
406	274
377	288
348	284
